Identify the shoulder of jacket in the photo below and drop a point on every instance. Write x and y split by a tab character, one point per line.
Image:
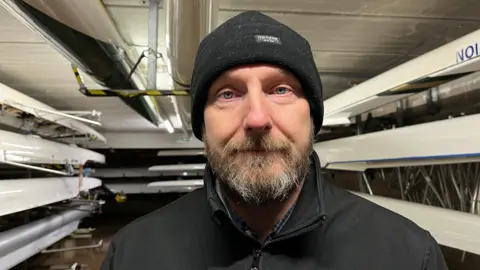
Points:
343	199
165	219
374	218
433	256
394	220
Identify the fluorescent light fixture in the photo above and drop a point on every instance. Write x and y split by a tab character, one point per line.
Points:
168	126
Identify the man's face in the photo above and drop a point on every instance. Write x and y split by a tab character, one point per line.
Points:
258	132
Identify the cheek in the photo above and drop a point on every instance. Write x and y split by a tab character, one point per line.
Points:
295	123
219	127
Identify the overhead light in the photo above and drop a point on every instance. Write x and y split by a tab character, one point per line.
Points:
168	126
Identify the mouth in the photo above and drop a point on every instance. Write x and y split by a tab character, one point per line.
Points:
252	152
258	152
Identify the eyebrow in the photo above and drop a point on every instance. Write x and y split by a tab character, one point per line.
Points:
289	75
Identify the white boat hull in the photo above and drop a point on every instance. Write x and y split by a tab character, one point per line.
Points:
440	142
34	150
177	167
20	101
450	228
18	195
455	59
20	243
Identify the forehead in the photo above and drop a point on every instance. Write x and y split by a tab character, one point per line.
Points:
257	71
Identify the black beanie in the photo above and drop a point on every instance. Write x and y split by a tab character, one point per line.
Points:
252	38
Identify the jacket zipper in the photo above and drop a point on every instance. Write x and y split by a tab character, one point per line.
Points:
256	263
257	256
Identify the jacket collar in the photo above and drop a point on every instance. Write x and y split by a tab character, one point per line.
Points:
309	210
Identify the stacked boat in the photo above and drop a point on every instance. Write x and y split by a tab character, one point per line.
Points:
44	188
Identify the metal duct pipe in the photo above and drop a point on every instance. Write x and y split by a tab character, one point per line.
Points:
187	22
18	237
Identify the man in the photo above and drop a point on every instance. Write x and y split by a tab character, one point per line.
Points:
257	104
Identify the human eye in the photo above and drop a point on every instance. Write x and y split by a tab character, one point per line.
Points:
226	95
282	90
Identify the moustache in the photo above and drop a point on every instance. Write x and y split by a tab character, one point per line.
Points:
257	144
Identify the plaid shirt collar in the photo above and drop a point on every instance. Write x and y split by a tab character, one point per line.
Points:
243	225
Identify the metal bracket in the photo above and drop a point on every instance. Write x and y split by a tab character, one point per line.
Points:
400	115
99	202
95	209
74	266
358	122
152	44
367	183
432	99
13	163
81	236
367	123
97	245
81	119
85	230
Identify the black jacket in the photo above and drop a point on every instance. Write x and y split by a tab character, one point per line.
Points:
330	228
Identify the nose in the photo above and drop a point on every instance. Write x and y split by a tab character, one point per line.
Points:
258	118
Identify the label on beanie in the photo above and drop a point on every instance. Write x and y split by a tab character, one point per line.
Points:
267	39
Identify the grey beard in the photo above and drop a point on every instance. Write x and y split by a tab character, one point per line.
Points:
254	186
247	176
